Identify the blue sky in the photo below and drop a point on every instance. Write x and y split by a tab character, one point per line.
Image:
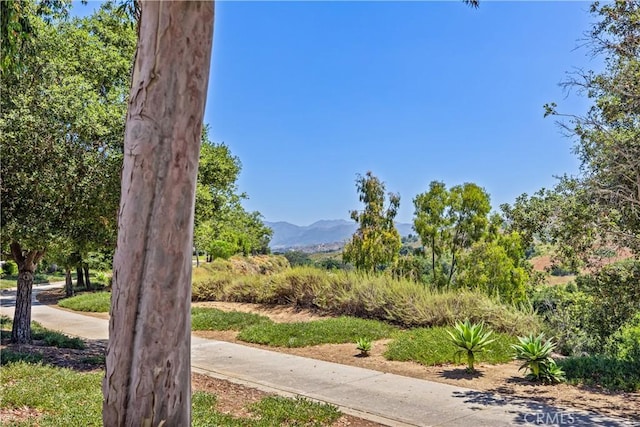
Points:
309	94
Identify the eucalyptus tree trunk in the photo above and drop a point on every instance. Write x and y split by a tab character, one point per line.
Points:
147	380
27	262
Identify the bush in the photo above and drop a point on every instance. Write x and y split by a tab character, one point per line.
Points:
413	267
566	314
604	371
471	339
297	258
54	338
488	267
9	268
536	357
10	356
625	343
616	297
334	264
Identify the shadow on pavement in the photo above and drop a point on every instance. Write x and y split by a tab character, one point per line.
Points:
531	412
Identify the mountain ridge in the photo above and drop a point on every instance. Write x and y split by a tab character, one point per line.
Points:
334	232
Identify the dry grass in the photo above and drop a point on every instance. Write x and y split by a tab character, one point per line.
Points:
382	297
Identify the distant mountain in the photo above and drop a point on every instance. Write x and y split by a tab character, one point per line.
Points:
323	232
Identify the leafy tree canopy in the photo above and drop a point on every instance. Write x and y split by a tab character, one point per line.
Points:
376	242
603	201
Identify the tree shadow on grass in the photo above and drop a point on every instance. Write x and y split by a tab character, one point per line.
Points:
90	358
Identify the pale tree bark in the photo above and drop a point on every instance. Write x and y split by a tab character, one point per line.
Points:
147	380
27	262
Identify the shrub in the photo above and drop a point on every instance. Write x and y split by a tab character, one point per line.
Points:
566	314
610	373
9	268
625	343
364	345
54	338
616	296
471	338
10	356
536	355
413	267
489	268
297	258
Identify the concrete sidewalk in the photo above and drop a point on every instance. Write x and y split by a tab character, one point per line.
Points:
386	398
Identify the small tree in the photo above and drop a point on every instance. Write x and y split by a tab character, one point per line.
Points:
377	242
449	221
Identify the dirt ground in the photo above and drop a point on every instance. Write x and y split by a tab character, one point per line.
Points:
502	379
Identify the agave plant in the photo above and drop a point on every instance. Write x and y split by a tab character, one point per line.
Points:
364	345
536	354
471	338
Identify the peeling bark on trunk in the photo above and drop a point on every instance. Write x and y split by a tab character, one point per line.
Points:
147	380
27	262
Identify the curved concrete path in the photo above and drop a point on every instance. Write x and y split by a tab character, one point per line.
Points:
386	398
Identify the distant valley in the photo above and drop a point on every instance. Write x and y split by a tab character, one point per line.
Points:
323	235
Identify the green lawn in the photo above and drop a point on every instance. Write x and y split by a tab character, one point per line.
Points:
432	346
303	334
97	302
62	397
211	319
11	281
50	338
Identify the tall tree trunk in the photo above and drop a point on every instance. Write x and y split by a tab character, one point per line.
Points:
453	266
80	276
147	380
87	280
68	282
433	258
27	262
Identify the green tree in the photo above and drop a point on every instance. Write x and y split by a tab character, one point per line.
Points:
431	221
60	132
496	267
450	221
565	217
377	242
222	226
608	135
